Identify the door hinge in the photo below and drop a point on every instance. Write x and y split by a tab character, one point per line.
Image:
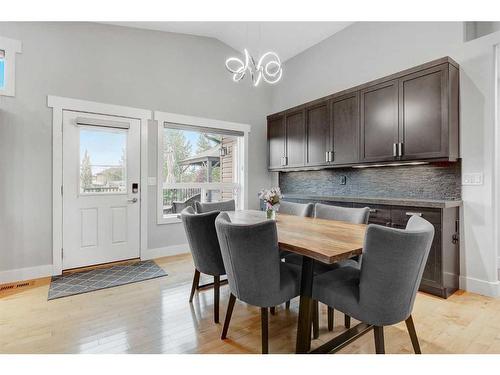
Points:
61	190
62	252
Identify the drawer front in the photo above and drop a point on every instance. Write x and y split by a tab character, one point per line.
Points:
401	215
379	214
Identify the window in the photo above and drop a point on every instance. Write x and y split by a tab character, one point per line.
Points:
197	164
8	50
2	69
103	163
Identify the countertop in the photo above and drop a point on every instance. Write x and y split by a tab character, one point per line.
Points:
429	203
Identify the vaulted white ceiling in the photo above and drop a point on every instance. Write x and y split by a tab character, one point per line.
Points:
285	38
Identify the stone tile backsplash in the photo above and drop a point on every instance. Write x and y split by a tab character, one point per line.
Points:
430	181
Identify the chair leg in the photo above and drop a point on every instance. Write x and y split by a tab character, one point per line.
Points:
273	310
287	305
413	335
379	339
330	318
347	321
196	281
230	307
216	298
315	319
264	327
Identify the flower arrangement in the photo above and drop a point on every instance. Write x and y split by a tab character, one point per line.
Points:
272	200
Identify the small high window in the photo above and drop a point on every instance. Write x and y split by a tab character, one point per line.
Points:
8	50
2	69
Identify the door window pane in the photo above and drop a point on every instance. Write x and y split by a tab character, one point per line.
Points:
103	163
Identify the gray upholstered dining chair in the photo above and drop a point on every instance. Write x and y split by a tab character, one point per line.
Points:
348	215
382	291
296	209
215	206
254	270
204	245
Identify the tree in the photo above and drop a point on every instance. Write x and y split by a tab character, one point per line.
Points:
86	171
175	141
203	144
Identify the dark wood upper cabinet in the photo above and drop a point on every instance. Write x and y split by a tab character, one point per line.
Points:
345	129
379	122
276	141
423	123
295	139
412	115
317	134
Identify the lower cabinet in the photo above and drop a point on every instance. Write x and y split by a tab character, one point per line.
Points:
442	270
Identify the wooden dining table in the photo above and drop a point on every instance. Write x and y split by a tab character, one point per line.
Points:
317	240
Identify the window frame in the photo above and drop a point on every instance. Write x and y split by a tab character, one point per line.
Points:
162	118
11	47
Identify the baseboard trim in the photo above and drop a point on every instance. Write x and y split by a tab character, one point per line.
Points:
23	274
164	251
485	288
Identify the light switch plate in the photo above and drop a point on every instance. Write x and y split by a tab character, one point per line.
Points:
151	181
472	179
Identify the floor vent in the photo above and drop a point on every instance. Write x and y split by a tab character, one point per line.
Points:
9	287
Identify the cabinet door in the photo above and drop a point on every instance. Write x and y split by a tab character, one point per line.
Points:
379	122
424	114
317	134
345	128
276	141
295	139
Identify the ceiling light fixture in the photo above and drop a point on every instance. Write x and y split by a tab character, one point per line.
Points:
268	68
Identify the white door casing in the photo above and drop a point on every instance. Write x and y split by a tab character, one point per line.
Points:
100	227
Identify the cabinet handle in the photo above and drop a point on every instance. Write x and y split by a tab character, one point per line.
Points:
285	160
400	149
394	149
331	156
414	213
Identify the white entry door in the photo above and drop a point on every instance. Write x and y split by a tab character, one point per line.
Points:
101	199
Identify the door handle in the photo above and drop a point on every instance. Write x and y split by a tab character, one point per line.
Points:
133	200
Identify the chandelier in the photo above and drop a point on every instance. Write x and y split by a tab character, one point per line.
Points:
268	68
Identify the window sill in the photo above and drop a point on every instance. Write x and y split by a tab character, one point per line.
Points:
172	219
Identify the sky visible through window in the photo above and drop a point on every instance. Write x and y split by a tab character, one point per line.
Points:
104	147
2	73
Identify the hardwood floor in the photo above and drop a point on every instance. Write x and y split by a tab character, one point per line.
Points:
155	316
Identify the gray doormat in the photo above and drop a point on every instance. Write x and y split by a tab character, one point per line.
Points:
102	278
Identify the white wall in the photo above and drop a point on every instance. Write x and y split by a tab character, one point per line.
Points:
144	69
370	50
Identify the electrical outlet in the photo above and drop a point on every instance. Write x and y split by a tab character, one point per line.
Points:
343	180
472	179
